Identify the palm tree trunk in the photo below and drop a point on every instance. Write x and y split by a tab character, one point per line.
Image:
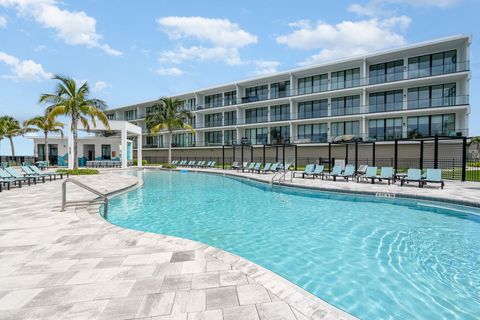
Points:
12	146
46	148
169	147
75	146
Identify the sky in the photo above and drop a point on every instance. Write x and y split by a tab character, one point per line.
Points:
131	51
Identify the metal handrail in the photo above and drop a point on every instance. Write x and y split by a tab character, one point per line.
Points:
84	186
283	175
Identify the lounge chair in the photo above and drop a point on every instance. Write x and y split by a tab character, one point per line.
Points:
273	167
250	167
286	166
257	167
386	174
6	177
413	175
361	170
370	174
336	171
212	164
266	167
174	162
51	174
17	175
308	171
235	165
192	163
244	166
30	173
183	163
318	172
434	176
200	164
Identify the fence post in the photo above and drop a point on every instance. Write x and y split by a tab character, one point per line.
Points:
464	159
421	155
396	156
223	157
264	154
276	153
373	154
242	154
346	154
435	152
283	155
330	156
251	153
295	158
356	156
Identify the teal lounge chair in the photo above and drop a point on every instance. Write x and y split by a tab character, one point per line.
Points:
273	168
370	174
6	177
234	165
266	167
336	171
244	166
434	176
17	175
386	174
308	171
250	167
348	173
30	173
37	170
256	167
413	175
212	164
318	172
174	162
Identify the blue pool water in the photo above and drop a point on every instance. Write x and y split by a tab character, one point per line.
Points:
374	258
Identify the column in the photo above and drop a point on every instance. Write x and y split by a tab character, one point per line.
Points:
123	143
70	151
139	151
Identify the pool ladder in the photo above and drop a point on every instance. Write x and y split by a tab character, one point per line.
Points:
280	176
102	198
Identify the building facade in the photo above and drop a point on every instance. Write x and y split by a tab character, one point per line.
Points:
417	91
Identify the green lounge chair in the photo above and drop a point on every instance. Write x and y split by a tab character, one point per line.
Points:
413	175
370	174
318	172
6	177
17	175
434	176
336	171
308	171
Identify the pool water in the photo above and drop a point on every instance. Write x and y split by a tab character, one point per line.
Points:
374	258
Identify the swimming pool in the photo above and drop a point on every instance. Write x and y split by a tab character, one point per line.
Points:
374	258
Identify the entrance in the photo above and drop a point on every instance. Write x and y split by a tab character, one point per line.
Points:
89	152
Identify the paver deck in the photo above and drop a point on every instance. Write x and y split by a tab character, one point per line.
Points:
75	265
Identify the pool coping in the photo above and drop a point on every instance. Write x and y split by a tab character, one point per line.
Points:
298	298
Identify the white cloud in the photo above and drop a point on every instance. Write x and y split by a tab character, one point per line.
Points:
100	86
23	69
346	38
220	39
375	8
74	28
39	48
173	72
265	67
3	22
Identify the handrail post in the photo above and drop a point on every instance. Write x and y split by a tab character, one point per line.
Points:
64	195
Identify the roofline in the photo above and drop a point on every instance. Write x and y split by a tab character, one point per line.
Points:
320	65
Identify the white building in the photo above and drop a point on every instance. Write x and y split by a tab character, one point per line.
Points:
417	91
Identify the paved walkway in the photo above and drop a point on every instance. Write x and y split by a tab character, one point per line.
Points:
75	265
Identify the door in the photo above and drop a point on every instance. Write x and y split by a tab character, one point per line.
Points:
53	153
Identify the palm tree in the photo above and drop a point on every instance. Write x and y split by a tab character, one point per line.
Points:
72	100
9	128
45	124
168	115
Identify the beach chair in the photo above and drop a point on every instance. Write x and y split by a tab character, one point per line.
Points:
386	173
273	167
174	162
336	171
6	177
413	175
361	170
318	172
266	167
308	171
434	176
234	165
30	173
370	174
243	166
257	167
212	164
348	173
250	167
51	174
14	173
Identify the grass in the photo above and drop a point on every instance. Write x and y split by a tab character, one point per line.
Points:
78	172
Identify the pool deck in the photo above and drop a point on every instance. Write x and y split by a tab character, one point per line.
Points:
75	265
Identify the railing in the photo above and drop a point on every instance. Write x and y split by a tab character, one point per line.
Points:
102	196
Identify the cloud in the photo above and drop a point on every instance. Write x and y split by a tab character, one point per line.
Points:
346	38
375	8
219	39
3	22
173	72
265	67
39	48
100	86
74	28
24	69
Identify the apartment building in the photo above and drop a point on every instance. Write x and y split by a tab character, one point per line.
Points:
417	91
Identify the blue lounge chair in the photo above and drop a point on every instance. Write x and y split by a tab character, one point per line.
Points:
413	175
318	172
30	173
266	167
256	167
212	164
8	178
370	174
235	165
387	173
308	171
273	168
336	171
174	162
348	173
434	176
17	175
250	167
52	174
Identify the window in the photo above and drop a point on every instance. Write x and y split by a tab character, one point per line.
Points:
346	78
230	98
313	109
385	129
111	116
432	64
432	96
213	120
183	139
230	118
345	128
386	101
213	101
313	132
280	134
280	112
151	110
385	72
213	138
425	126
256	115
345	105
151	141
229	137
130	115
257	135
313	84
106	152
257	93
280	89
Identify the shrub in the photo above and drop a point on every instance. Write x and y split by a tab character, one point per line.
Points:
78	172
144	162
169	166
